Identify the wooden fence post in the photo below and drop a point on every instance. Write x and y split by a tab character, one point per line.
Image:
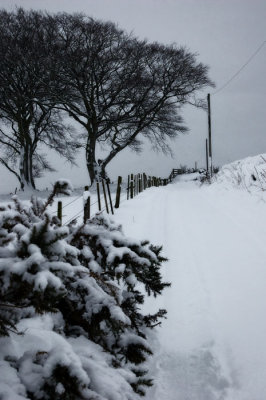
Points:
128	186
98	195
118	192
87	210
132	186
139	183
59	212
136	186
105	198
87	204
144	181
110	198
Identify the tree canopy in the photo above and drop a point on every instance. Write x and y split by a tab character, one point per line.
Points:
118	88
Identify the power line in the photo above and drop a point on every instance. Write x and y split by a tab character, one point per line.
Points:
241	69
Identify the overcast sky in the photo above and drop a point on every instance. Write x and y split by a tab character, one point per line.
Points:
224	33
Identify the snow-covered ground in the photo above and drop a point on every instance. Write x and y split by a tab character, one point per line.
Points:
248	173
213	344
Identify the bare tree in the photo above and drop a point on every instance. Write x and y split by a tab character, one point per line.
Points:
122	88
28	116
115	86
167	78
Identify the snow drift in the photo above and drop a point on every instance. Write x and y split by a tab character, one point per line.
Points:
248	173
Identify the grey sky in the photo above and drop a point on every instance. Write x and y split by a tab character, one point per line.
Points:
224	33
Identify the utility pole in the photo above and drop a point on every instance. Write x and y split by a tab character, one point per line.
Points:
209	131
207	158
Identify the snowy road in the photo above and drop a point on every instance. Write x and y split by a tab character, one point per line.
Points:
213	344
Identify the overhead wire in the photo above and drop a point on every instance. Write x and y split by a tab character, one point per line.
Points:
240	69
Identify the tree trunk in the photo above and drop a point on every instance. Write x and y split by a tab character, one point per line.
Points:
115	151
109	158
26	168
92	165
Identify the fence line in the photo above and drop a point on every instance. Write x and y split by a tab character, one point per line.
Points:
135	184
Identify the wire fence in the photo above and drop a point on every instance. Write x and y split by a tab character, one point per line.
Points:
107	200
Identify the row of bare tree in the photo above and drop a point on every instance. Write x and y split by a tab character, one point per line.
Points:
118	88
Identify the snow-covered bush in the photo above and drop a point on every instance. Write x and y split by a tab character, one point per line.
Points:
70	297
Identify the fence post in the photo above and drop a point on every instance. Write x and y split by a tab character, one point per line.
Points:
128	183
59	212
98	195
105	198
110	198
132	186
136	186
87	210
118	192
87	204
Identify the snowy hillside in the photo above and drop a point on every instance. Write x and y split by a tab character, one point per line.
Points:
248	173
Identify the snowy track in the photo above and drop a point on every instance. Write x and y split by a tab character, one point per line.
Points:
213	344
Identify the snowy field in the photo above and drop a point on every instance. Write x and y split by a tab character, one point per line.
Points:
213	344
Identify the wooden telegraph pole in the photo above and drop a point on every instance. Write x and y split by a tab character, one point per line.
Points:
209	131
207	157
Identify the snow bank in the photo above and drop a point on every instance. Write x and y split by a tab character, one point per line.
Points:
248	173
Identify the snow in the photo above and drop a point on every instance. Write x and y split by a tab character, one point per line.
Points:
213	344
248	173
86	195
